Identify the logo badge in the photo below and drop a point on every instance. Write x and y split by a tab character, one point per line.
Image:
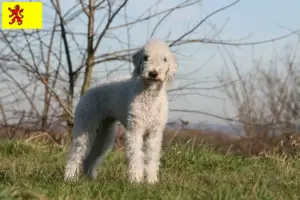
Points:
22	15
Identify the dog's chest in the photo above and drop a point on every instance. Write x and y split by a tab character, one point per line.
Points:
149	110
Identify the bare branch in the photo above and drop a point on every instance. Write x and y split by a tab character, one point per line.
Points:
202	21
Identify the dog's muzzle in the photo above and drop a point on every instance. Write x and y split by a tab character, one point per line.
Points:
152	76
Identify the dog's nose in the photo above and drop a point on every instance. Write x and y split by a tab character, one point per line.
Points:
153	74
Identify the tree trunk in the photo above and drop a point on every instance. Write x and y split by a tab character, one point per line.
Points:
88	74
90	49
46	105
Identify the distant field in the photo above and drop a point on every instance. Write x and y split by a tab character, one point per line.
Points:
32	171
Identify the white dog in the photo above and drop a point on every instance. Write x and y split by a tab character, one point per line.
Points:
139	103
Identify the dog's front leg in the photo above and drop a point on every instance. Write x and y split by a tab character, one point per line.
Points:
135	155
152	157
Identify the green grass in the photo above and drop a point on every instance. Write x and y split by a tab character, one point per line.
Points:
32	171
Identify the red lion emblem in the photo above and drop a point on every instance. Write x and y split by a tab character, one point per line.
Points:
15	14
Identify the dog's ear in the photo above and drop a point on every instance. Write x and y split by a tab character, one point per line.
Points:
137	59
172	67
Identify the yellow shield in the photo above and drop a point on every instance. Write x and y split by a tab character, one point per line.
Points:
22	15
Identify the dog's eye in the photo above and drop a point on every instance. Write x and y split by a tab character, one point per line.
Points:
165	59
145	58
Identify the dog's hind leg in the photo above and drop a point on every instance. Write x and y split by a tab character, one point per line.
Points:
104	140
78	149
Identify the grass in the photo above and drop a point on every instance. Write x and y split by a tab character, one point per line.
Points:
35	171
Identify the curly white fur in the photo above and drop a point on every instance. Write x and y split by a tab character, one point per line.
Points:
139	103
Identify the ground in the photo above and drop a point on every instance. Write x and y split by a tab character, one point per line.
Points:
35	171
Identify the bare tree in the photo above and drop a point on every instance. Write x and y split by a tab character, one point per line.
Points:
265	99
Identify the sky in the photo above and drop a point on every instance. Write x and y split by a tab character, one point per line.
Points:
247	21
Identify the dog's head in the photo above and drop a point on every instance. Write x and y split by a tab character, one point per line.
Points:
155	62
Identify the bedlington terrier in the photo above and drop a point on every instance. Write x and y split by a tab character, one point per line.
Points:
139	103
